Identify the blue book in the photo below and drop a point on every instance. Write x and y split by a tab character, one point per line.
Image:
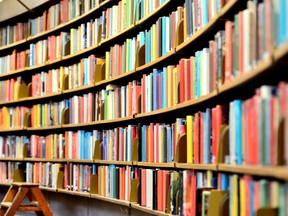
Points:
142	38
169	144
238	130
164	87
160	105
224	182
154	89
104	146
251	194
143	150
204	12
282	23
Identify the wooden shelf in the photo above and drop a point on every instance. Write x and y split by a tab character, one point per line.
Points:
48	189
12	73
4	159
259	69
75	193
3	103
44	128
78	160
158	60
280	52
279	172
78	89
43	96
5	184
11	130
212	167
13	45
107	162
52	160
147	210
111	200
155	165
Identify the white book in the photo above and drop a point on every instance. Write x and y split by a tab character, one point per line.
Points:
149	188
232	139
247	37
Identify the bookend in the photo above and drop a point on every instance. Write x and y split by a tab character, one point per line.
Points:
102	111
65	116
269	211
99	73
60	180
139	103
65	82
94	184
5	113
135	147
218	203
135	191
18	175
27	120
25	150
23	91
168	203
180	33
223	148
280	142
140	57
181	149
99	34
67	48
29	89
97	150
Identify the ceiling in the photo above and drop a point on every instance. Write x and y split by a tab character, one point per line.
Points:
12	8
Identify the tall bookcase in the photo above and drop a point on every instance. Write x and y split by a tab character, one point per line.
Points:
164	107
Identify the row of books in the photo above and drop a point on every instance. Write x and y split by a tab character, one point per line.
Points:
48	50
255	132
197	14
115	182
50	146
13	117
44	174
9	89
7	170
48	114
55	15
247	194
13	146
17	60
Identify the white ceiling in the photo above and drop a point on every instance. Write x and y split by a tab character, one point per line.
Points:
11	8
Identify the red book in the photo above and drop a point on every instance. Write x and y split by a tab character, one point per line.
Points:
192	77
254	152
196	138
241	43
152	146
160	190
143	187
214	136
156	142
181	78
228	50
201	143
187	79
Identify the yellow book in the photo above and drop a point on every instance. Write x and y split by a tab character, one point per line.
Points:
71	40
175	86
107	64
275	191
61	77
242	197
184	23
209	178
154	43
234	195
38	115
45	115
189	120
6	116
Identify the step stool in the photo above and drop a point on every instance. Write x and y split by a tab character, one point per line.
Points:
15	195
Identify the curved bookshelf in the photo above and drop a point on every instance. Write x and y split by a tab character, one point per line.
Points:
212	167
2	159
12	130
59	27
128	163
53	127
147	210
110	200
280	52
278	172
52	160
13	73
75	193
152	164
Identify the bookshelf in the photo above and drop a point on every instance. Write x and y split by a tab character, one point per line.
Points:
117	133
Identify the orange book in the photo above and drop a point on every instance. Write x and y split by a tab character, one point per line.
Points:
228	50
143	187
241	43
